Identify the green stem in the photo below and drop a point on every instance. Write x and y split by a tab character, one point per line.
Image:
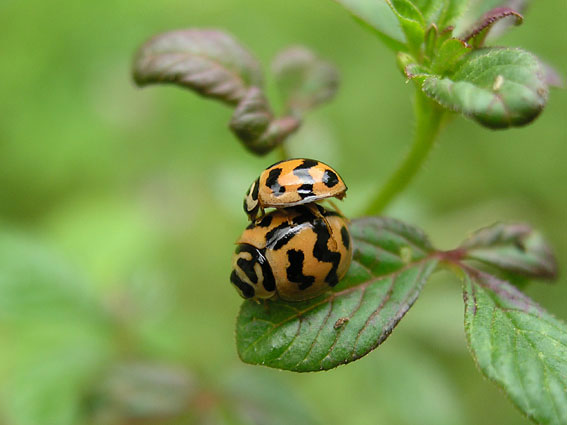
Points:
428	117
283	153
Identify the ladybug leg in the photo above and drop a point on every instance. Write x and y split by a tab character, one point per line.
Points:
313	208
337	209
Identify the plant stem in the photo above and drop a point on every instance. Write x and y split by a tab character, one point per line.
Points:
428	117
283	153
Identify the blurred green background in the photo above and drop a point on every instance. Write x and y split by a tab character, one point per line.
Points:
119	208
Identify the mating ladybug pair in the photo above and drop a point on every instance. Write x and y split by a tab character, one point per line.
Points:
299	250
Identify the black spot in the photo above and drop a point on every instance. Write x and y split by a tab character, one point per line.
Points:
295	269
330	179
256	188
305	191
272	182
345	237
302	171
266	221
322	252
245	289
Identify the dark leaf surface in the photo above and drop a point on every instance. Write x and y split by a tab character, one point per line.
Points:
498	87
515	248
391	263
210	62
518	345
256	127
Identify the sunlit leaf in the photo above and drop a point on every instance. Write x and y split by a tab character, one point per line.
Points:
518	345
379	18
304	80
391	263
210	62
514	248
498	87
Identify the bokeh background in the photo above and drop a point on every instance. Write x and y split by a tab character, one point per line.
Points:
119	208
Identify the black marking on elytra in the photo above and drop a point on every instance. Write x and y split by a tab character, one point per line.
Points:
266	221
295	269
305	191
279	236
330	178
246	290
345	237
255	190
247	266
272	182
322	253
302	171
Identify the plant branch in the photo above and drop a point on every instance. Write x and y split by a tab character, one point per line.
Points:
428	117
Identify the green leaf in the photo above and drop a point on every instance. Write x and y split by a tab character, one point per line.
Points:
254	124
512	247
498	87
304	80
55	336
392	262
449	55
518	345
209	62
377	16
411	22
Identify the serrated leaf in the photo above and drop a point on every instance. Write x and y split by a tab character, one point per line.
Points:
512	247
476	9
391	263
518	345
411	21
478	33
304	80
498	87
254	124
209	62
378	18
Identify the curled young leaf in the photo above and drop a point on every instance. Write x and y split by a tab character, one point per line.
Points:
498	87
209	62
478	33
514	248
449	55
518	345
391	263
304	80
255	125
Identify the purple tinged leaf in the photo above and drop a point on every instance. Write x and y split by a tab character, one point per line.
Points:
304	80
477	34
392	261
255	125
514	248
209	62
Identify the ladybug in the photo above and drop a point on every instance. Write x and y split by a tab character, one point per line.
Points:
291	255
290	183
